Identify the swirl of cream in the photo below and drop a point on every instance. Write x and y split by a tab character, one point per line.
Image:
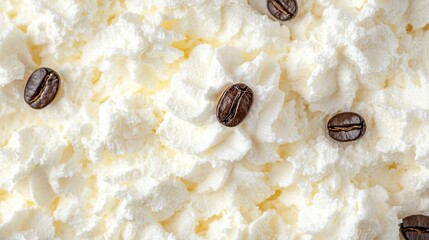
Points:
190	123
14	53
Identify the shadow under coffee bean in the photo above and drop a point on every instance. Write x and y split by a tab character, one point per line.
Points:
41	88
234	104
346	127
415	227
283	10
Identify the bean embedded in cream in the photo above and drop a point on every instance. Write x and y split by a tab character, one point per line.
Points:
131	147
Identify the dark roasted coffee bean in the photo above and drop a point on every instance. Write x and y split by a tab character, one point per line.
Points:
42	87
415	227
346	127
283	10
234	104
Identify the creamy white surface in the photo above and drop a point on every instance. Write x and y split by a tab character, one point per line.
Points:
131	148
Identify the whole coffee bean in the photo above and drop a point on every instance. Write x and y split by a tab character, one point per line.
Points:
283	10
41	88
346	127
415	227
234	104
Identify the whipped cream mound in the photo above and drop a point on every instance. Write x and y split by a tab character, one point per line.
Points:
131	148
190	125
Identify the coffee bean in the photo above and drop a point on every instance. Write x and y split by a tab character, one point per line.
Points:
346	127
42	87
415	227
234	104
283	10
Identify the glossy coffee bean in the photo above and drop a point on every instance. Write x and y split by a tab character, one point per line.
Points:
41	88
346	127
283	10
234	105
415	227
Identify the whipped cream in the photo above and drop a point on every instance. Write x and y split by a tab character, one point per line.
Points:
190	124
131	148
